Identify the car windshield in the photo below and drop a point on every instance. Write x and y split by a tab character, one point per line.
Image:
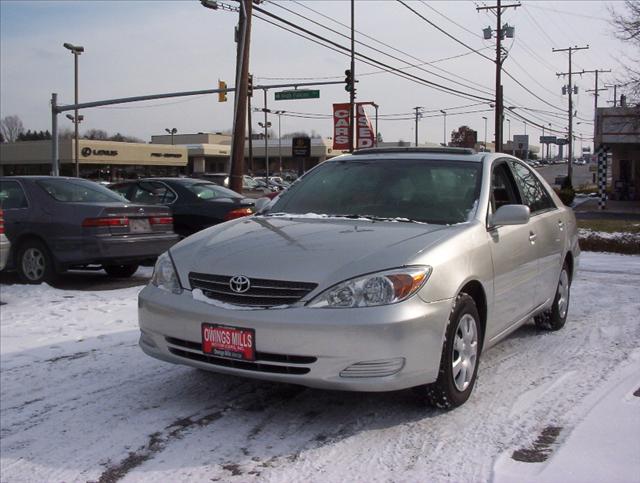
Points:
79	190
210	191
440	192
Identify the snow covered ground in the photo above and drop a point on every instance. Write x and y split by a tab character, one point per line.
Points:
80	402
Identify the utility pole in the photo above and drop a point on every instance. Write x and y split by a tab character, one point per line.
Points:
615	93
596	89
500	33
570	91
352	87
250	135
242	77
418	110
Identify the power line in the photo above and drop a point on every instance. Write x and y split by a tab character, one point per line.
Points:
372	61
479	87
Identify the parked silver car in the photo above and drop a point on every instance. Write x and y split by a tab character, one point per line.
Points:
5	244
56	223
376	271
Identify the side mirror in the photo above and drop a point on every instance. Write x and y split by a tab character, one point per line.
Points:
510	215
261	204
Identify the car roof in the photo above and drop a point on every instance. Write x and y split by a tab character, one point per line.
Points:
426	154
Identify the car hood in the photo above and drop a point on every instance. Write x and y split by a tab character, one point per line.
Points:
322	250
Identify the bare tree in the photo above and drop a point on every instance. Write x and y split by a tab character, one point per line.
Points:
96	134
11	127
627	29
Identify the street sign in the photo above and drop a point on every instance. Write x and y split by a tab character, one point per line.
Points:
297	94
548	139
301	147
521	142
562	141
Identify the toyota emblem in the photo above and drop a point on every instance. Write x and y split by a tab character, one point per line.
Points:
239	284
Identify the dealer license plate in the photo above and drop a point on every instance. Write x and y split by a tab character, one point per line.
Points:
139	225
229	342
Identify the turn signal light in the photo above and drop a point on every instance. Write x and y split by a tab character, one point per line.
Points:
93	222
238	213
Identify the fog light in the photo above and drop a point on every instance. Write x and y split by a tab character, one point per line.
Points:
379	368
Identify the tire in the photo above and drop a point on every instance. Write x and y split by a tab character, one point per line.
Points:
35	263
462	346
555	318
121	271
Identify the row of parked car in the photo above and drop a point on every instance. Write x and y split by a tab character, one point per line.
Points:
54	224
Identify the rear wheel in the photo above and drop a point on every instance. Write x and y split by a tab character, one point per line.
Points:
34	263
460	356
555	318
121	271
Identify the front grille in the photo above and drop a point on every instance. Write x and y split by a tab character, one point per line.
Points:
262	292
258	365
260	356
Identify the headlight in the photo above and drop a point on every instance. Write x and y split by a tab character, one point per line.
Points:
164	274
382	288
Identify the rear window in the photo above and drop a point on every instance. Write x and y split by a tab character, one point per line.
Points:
440	192
79	190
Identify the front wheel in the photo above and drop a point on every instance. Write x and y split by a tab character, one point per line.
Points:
555	318
460	356
121	271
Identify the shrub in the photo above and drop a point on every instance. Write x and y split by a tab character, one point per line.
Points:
566	195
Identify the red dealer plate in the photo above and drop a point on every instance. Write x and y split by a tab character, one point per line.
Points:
229	342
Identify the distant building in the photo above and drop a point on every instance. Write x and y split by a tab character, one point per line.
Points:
188	154
618	128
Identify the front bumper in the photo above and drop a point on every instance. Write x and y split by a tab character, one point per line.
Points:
112	249
311	347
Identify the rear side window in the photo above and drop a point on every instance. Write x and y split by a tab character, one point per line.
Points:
12	195
534	193
78	190
210	191
121	189
153	193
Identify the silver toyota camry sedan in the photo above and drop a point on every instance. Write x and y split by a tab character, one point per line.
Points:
376	271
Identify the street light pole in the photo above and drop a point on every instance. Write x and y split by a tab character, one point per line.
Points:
445	127
485	132
76	50
171	131
280	113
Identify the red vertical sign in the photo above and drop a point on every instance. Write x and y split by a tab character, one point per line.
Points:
341	126
365	137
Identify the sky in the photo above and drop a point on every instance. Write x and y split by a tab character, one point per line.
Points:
147	47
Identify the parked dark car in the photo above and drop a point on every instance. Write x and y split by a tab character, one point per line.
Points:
57	223
250	188
195	203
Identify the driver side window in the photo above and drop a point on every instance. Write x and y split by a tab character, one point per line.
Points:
503	188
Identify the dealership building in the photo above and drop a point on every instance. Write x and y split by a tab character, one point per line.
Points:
165	155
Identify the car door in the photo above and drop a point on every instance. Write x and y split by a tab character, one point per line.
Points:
548	224
514	256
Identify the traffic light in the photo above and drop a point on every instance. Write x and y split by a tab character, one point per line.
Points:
222	95
250	85
348	80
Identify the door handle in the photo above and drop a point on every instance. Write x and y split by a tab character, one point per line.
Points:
561	225
532	237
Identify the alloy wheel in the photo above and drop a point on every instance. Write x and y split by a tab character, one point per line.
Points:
465	352
563	294
33	264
